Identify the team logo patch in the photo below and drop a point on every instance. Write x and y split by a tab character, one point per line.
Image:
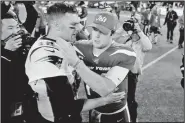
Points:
101	18
57	61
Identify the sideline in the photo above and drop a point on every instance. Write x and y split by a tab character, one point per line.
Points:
159	58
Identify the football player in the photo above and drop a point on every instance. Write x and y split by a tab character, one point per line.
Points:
49	73
109	64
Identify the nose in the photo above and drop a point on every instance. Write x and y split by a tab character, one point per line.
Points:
16	30
98	34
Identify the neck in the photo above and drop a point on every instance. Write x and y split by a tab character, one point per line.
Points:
53	34
98	51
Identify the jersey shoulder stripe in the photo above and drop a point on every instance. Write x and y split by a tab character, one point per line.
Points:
124	51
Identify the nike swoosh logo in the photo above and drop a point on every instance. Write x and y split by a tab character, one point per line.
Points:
50	50
119	120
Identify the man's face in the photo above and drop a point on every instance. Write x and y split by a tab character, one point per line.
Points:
100	40
9	27
170	9
69	26
144	5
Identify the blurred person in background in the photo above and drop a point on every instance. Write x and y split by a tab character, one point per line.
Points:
181	30
145	12
155	23
30	15
40	27
171	21
82	12
117	9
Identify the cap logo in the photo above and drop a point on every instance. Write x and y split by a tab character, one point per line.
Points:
101	19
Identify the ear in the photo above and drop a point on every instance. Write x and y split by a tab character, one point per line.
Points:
58	25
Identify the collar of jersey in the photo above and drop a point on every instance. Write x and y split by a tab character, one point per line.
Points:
45	38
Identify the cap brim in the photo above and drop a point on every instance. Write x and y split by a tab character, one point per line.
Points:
103	29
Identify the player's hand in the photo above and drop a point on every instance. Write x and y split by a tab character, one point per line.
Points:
13	43
68	51
114	97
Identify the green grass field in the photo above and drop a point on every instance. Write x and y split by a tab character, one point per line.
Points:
159	94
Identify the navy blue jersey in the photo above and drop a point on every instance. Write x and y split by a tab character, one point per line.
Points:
117	56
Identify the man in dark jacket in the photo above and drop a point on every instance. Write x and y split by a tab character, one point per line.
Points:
171	20
14	86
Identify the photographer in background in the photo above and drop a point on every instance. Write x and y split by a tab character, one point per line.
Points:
131	35
40	27
14	80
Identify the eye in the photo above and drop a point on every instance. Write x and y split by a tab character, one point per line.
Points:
95	29
72	27
10	27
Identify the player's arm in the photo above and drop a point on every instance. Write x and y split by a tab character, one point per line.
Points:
103	85
99	84
106	83
97	102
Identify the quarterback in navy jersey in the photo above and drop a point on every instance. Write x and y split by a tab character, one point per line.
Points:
109	64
